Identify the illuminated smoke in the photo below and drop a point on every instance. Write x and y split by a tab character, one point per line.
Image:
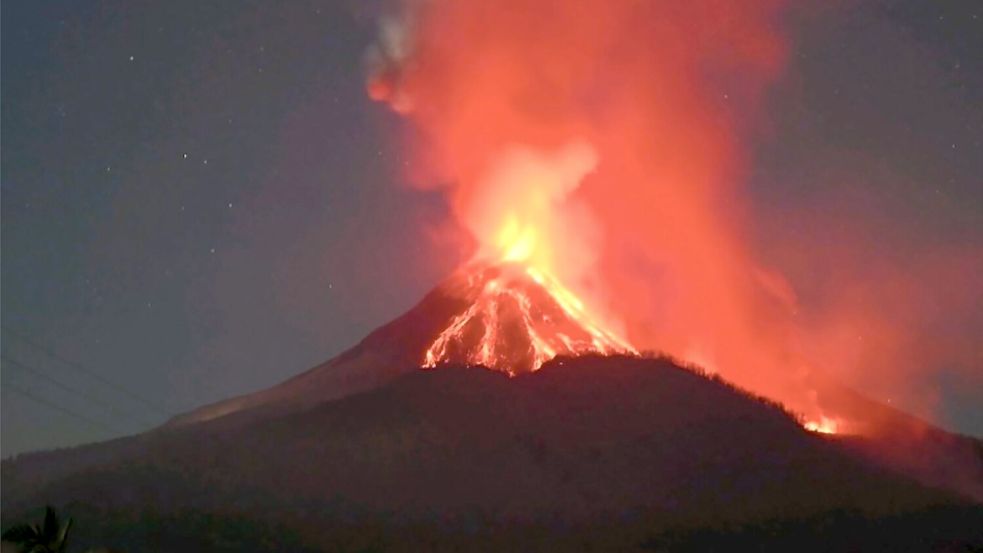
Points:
605	142
600	141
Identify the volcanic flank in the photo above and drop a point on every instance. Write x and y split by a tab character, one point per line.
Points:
584	448
593	452
503	316
497	409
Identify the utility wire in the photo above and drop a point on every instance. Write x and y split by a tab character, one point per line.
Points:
78	366
30	395
66	387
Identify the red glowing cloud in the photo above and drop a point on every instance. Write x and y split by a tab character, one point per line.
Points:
607	144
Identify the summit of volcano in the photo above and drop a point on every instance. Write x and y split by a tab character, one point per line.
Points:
503	316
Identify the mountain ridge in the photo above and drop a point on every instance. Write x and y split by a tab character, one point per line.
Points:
628	445
412	339
582	441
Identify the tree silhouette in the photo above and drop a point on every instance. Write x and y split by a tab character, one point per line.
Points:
51	537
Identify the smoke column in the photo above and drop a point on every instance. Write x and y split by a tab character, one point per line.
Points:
616	133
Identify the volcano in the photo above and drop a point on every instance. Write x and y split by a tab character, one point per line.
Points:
571	441
503	316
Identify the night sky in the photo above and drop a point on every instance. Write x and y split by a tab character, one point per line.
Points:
199	200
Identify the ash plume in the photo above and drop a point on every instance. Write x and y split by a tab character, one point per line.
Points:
658	235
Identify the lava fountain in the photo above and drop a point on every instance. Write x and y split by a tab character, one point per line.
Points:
519	313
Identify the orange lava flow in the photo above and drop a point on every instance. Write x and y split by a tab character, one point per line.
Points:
519	318
824	425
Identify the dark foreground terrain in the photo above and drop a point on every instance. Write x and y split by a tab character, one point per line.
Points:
593	453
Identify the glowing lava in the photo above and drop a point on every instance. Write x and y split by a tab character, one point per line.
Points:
824	425
517	318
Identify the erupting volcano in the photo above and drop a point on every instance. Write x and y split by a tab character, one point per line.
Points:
646	329
517	318
518	313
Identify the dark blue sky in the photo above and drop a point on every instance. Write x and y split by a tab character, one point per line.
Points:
198	200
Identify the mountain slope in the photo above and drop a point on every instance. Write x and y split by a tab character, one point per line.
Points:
502	316
389	351
639	443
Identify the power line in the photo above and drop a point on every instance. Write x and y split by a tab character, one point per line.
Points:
78	366
66	387
64	410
